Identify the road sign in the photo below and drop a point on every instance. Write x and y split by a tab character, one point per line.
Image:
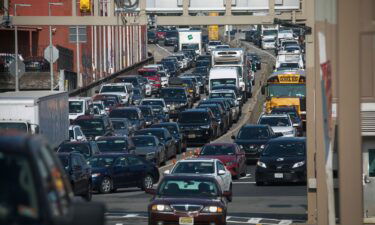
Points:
21	68
55	54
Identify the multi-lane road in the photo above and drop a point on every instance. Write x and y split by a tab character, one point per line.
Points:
276	204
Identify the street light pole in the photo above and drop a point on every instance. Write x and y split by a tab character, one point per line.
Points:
50	41
16	46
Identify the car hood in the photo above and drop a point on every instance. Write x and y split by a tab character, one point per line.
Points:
282	160
144	150
223	158
251	142
170	101
184	201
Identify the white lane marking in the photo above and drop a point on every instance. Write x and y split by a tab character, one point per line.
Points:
119	223
131	216
285	222
166	50
254	220
244	182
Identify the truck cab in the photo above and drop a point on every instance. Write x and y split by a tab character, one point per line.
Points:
79	106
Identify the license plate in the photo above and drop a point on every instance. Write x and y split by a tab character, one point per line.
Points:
279	175
191	136
186	220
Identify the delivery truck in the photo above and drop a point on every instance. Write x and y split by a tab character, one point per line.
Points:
190	39
43	113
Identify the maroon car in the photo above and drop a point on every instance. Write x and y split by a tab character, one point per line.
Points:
230	154
188	199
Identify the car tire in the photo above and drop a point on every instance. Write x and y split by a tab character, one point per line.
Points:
106	186
147	182
88	195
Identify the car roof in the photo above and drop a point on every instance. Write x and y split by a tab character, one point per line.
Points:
113	84
89	117
220	144
165	123
127	108
172	176
112	138
197	160
152	99
80	98
274	115
222	91
255	126
144	136
195	110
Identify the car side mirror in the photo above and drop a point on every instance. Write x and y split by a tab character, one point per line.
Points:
221	172
150	191
97	91
263	90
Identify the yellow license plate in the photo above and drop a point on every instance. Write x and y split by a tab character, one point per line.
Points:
186	221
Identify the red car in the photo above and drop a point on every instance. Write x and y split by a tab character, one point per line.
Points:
230	154
153	76
160	34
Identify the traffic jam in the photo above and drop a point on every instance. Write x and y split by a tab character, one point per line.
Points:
173	113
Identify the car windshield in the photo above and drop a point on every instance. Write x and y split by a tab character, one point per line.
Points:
148	73
144	141
170	34
293	115
13	127
196	188
285	149
91	126
190	46
218	150
75	147
146	111
157	133
215	109
214	43
171	128
109	102
19	202
128	114
288	66
215	82
287	90
101	161
131	80
250	133
112	145
222	95
275	121
195	167
151	102
269	32
173	93
119	125
75	107
113	89
193	117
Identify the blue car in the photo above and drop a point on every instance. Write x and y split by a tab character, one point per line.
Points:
113	170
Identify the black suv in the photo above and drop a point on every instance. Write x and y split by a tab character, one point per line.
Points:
253	139
87	148
175	131
177	100
94	126
133	114
35	189
199	125
79	173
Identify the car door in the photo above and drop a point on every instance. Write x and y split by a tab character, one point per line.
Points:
137	170
121	172
86	169
77	174
226	178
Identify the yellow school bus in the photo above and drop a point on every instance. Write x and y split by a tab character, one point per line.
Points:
285	89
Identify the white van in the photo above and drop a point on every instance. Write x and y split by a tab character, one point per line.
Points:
224	75
79	106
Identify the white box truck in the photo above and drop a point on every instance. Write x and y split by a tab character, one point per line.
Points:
36	112
190	39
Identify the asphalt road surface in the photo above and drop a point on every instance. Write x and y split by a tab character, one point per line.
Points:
275	204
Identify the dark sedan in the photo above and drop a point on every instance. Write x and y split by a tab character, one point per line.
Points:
283	160
160	114
174	129
148	115
188	199
164	137
133	114
112	171
253	139
79	173
150	148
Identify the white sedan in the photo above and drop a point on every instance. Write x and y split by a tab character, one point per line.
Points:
209	167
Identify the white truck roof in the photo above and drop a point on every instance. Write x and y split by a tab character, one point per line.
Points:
28	95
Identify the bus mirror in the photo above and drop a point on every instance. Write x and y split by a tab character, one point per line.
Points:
263	90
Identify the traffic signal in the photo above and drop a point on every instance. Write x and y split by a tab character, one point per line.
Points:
85	6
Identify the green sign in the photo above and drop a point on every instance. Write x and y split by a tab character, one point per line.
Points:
190	37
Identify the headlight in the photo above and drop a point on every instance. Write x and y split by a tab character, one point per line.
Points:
148	122
261	164
182	104
150	155
262	146
95	174
161	208
212	209
205	127
299	164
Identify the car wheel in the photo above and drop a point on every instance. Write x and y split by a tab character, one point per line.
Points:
147	182
88	195
105	185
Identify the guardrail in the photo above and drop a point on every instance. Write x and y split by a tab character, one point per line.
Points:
85	89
